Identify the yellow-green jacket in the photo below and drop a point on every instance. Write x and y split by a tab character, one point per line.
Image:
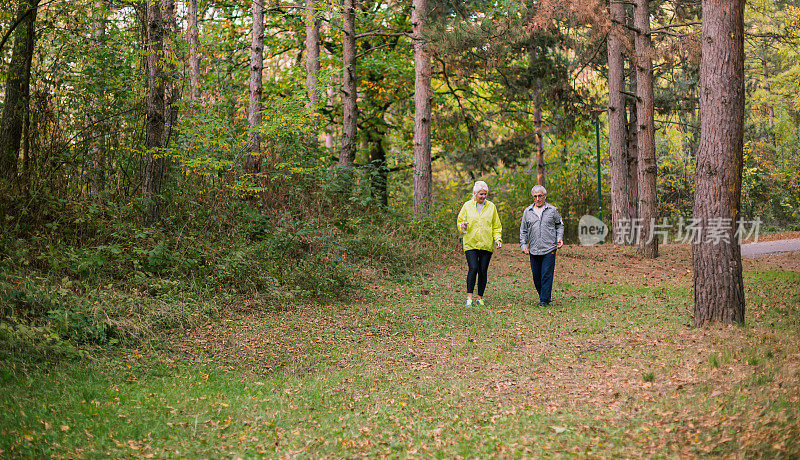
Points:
484	229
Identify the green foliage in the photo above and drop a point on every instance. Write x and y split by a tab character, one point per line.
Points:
571	185
104	279
301	229
393	366
38	323
79	327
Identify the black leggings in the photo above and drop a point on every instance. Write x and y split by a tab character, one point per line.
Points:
478	262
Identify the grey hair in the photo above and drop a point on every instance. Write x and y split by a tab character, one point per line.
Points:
479	185
538	188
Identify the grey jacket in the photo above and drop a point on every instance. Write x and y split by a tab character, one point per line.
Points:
540	236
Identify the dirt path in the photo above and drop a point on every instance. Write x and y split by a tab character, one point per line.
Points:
770	247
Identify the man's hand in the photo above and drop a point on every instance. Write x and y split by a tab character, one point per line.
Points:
499	244
525	250
560	243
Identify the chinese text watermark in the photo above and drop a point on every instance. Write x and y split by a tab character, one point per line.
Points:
715	230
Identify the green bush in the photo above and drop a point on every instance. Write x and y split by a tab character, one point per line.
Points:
80	327
101	278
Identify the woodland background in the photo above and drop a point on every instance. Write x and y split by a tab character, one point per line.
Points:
82	261
227	228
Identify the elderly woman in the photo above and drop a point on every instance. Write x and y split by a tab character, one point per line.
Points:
541	233
480	224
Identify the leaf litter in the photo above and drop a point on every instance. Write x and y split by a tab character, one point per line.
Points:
587	381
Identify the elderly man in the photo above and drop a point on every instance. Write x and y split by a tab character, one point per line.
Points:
541	233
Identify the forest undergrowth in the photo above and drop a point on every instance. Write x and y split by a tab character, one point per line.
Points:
612	368
85	272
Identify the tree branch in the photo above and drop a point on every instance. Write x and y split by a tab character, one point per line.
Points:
359	55
16	23
383	34
631	95
674	34
627	26
677	123
679	24
411	165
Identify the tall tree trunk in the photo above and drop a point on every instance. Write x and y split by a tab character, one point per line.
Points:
536	99
312	65
171	73
154	163
256	88
632	140
718	286
349	87
648	199
312	51
330	97
423	95
617	127
541	171
193	39
25	174
329	130
541	166
18	80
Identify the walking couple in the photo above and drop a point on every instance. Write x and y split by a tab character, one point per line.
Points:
541	234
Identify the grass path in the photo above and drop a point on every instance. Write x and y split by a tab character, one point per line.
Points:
610	369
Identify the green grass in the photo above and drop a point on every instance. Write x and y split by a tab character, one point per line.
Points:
604	371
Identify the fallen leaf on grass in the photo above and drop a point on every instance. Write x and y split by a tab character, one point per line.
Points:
558	429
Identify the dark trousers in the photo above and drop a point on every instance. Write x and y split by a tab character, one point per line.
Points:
478	263
542	268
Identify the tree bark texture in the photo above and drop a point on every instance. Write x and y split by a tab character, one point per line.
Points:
617	127
154	163
349	87
648	199
312	51
423	95
718	286
193	40
256	88
329	143
17	94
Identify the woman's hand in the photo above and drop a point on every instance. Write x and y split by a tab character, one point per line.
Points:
560	243
464	225
525	250
499	244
